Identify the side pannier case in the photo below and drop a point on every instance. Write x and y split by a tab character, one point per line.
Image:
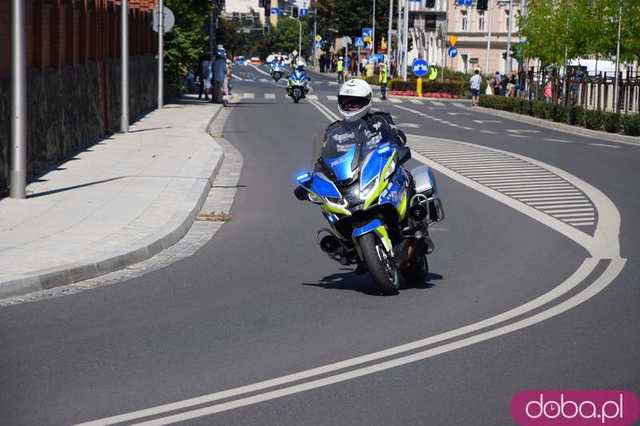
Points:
426	185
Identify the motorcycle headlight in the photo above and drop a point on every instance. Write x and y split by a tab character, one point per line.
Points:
366	191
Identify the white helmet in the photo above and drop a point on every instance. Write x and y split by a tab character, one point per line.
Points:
354	99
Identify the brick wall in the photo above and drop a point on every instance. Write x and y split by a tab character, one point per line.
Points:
73	93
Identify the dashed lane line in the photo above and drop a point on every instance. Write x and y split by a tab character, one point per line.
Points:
605	145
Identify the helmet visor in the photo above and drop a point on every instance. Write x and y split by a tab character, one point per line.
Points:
353	103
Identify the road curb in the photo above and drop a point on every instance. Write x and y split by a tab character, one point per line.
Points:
151	245
561	127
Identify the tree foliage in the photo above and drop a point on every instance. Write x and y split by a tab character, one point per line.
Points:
337	18
582	27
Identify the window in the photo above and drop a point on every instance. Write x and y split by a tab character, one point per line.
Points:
465	20
506	20
480	20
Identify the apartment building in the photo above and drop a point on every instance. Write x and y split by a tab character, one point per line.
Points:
250	14
473	27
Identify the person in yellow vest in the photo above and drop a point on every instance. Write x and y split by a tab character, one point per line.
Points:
340	70
383	79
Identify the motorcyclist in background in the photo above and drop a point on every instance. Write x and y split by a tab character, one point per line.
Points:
299	73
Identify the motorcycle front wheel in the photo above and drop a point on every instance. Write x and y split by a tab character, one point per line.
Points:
380	264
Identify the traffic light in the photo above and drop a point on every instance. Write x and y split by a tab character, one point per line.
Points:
482	5
504	55
410	44
432	3
295	11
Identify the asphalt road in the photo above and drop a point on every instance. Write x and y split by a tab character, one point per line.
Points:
261	300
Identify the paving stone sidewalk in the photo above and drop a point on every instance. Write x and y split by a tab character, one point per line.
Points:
119	202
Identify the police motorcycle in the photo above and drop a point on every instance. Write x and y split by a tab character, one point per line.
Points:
378	213
277	69
297	83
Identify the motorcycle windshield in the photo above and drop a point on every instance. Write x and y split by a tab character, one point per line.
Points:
343	166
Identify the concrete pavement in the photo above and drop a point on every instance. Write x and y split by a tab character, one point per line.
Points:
123	200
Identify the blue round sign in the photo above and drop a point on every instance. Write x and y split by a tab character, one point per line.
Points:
420	67
452	52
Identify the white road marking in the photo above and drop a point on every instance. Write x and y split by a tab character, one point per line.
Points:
375	99
395	100
561	215
486	121
489	132
516	135
312	97
522	131
467	128
437	103
233	75
557	140
459	105
552	204
416	101
588	223
604	244
259	70
563	210
248	96
266	95
409	125
543	197
459	113
605	145
332	98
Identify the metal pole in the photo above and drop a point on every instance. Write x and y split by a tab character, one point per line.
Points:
508	64
616	91
315	33
161	53
405	42
488	12
18	103
300	41
389	35
373	30
124	64
399	39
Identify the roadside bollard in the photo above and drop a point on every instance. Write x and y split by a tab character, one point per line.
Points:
419	87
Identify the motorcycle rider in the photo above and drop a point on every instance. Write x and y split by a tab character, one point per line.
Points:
360	125
299	73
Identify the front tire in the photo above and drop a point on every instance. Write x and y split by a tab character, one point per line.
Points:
380	263
417	272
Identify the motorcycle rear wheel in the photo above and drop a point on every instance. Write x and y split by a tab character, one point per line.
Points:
380	264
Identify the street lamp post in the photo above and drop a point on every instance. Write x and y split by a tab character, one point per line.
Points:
124	53
616	90
373	30
18	103
389	35
508	64
160	53
488	23
405	41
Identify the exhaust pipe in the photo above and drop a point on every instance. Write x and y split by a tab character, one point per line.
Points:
330	244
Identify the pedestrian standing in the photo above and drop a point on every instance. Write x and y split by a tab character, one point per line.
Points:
340	70
383	78
548	91
498	84
219	75
205	77
475	82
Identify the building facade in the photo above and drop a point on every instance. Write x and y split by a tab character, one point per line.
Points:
427	24
483	35
250	14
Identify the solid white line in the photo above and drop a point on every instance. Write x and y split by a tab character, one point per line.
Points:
506	173
233	75
554	210
544	197
516	193
583	223
542	188
613	270
568	215
258	69
519	180
467	128
605	145
545	205
489	132
516	135
557	140
575	220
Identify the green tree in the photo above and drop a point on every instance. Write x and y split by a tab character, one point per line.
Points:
337	18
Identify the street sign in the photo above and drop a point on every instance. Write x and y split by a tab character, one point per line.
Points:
420	67
318	38
452	52
347	40
367	33
318	45
359	42
433	73
453	40
303	12
275	11
169	19
465	2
